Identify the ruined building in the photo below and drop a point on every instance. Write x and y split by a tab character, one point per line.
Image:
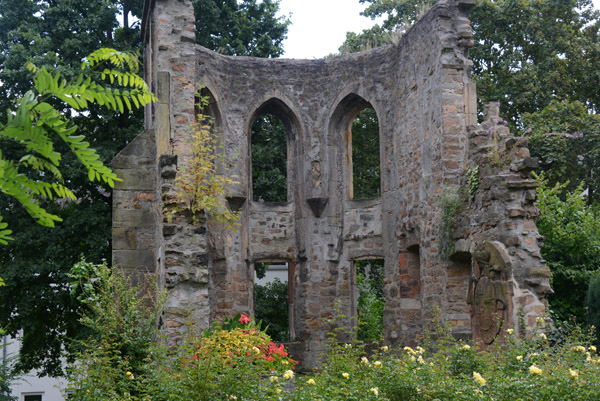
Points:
483	272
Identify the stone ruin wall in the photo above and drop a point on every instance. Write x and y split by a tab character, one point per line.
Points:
425	102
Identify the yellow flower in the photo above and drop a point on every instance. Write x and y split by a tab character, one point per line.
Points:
466	346
578	348
130	375
542	336
593	348
375	391
588	357
479	379
519	357
377	364
510	331
364	360
420	350
412	358
311	382
539	320
409	350
420	359
278	390
288	374
232	397
535	370
347	345
573	373
345	375
385	348
273	379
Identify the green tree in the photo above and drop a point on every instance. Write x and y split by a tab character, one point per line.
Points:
241	28
271	308
565	137
571	245
58	34
526	54
366	166
269	159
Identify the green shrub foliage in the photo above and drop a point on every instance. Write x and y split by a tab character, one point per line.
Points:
571	245
271	308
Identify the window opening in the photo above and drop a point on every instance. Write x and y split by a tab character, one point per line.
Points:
365	163
32	397
269	159
369	300
272	298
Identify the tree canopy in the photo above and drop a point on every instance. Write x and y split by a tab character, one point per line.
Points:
57	35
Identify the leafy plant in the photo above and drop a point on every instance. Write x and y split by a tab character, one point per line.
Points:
592	304
200	188
123	320
369	278
571	245
271	307
36	124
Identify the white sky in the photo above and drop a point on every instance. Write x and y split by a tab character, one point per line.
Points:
319	26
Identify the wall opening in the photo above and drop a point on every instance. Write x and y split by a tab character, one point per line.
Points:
409	282
273	298
355	120
458	315
269	158
364	156
368	302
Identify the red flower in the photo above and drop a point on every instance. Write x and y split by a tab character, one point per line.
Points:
245	319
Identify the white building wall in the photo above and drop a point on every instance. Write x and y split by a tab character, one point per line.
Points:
51	389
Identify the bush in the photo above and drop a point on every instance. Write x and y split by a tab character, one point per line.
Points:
592	303
571	246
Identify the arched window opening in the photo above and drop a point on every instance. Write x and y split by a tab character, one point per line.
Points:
369	304
273	299
206	108
269	159
365	163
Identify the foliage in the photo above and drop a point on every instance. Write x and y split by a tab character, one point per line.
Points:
229	361
243	364
271	307
365	155
58	34
369	279
473	181
571	245
592	305
451	201
122	319
269	159
535	52
35	125
241	28
526	54
199	186
565	137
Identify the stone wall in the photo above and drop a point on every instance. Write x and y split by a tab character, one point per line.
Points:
421	92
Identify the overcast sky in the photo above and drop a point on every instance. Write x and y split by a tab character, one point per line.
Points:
319	26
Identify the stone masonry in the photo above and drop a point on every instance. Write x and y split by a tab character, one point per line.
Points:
493	279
